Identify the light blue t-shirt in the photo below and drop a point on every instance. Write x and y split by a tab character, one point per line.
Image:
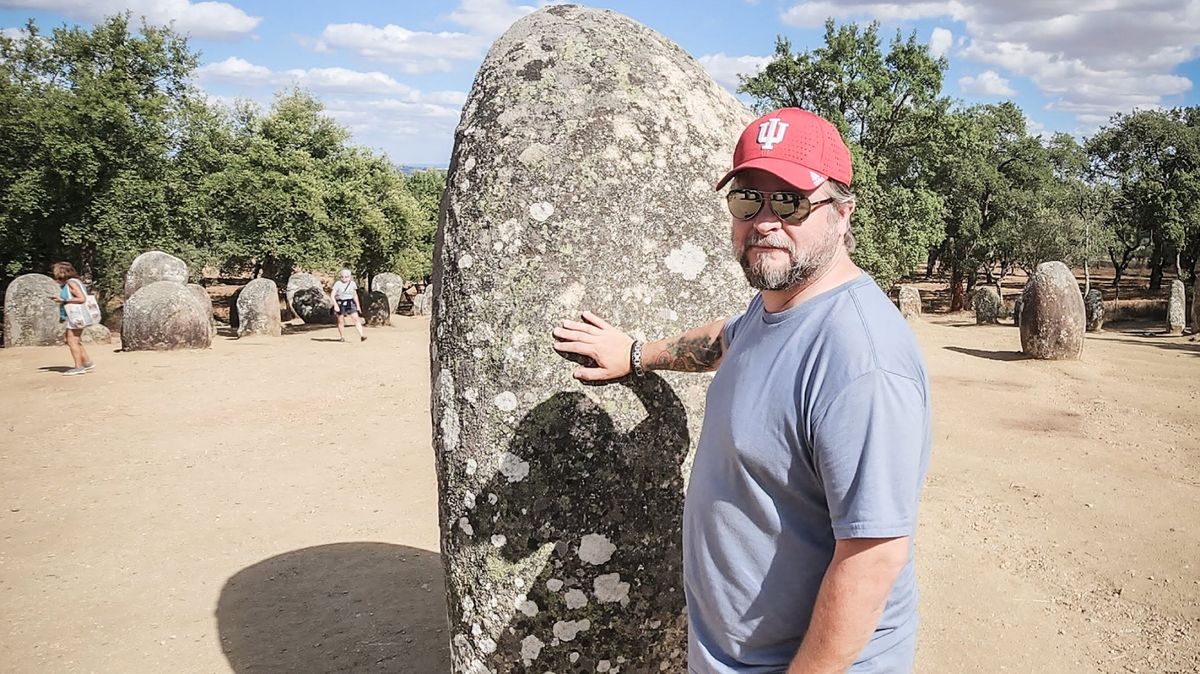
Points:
816	429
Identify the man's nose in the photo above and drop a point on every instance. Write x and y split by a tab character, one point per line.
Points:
765	221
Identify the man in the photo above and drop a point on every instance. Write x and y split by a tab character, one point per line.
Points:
802	503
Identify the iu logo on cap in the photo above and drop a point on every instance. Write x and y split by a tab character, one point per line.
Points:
771	132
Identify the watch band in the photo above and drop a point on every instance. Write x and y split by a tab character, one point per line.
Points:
635	358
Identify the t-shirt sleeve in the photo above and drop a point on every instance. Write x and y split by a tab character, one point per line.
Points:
869	452
732	323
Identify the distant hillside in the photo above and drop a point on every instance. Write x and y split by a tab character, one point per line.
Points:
413	168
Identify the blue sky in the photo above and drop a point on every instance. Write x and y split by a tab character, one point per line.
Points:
397	73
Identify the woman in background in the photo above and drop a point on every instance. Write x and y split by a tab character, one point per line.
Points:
345	303
72	292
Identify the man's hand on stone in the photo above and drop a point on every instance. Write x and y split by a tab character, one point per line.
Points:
607	347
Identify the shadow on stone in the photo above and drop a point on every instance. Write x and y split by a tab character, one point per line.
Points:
603	507
343	607
990	355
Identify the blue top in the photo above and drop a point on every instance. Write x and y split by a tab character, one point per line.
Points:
816	429
64	293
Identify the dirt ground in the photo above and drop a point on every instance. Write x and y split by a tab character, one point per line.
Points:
269	505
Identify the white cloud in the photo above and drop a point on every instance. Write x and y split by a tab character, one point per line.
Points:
237	71
814	13
417	52
219	20
725	69
1093	57
13	33
414	52
940	42
988	83
488	17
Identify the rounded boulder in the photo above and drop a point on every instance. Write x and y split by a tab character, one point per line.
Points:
1052	314
153	266
166	315
308	300
30	312
257	309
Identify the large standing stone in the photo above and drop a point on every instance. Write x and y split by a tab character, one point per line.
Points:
30	312
910	302
258	309
166	315
154	266
988	305
1093	305
561	504
1176	312
308	300
390	285
1052	314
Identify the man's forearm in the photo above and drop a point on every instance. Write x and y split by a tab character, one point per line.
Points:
851	598
697	350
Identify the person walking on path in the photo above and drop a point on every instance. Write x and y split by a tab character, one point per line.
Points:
73	292
345	304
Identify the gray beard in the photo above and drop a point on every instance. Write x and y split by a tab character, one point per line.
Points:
803	267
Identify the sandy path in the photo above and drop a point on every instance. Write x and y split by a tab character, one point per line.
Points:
270	506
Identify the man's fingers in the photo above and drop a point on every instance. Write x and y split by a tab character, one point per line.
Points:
596	320
581	327
571	335
593	374
575	347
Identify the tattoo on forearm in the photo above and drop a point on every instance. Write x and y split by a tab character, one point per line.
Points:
690	354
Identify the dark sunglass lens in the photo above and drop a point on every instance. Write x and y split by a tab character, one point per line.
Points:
790	206
744	204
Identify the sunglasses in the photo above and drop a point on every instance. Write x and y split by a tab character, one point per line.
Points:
791	207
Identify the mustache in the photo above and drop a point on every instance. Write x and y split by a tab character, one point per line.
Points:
756	239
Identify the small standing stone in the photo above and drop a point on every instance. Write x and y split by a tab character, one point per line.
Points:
910	302
391	285
422	303
1196	305
30	312
153	266
258	309
1052	318
987	305
1176	317
376	307
1093	304
1018	305
96	334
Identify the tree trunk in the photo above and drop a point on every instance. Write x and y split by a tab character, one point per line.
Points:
931	260
957	294
1158	261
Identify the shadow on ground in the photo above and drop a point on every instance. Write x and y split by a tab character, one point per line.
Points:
990	355
343	607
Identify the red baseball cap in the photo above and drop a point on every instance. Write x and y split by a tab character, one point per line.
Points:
799	147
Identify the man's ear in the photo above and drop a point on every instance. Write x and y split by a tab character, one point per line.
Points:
844	211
